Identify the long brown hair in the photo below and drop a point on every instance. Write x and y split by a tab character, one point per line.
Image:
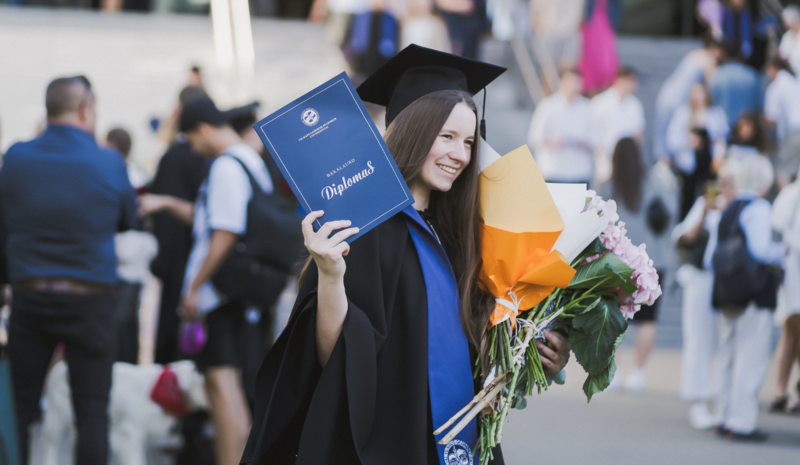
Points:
410	137
627	174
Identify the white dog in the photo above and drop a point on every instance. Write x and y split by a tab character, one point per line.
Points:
133	416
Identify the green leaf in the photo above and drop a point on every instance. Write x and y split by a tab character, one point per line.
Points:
609	268
599	382
596	247
594	335
629	287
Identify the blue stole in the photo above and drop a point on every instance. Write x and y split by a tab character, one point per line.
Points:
450	382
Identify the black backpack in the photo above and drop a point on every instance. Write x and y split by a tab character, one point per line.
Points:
255	271
738	278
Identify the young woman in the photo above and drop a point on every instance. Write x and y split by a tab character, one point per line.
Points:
748	137
647	203
787	314
695	138
384	332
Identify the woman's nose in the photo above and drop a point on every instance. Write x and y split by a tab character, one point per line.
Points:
461	154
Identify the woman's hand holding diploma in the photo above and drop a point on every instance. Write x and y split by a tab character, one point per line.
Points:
328	253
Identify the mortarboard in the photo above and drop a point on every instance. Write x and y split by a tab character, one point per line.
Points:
417	71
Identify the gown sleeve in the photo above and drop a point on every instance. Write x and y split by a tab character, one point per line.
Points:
296	399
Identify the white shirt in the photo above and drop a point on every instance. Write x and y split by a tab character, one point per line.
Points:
135	250
790	49
757	228
678	142
782	102
568	124
222	204
616	117
711	224
786	215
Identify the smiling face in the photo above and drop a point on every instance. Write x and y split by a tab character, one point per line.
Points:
451	152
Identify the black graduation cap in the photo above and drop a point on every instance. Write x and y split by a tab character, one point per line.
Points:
417	71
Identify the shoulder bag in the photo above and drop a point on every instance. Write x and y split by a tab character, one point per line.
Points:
256	269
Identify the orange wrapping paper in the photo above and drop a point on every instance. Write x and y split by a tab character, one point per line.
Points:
521	224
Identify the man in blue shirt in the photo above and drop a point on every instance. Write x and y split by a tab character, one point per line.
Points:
64	198
736	87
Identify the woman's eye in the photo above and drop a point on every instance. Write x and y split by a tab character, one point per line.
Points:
446	136
469	143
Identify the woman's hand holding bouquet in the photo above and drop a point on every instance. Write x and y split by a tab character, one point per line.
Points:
555	258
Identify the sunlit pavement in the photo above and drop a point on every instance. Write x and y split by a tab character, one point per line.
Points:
138	63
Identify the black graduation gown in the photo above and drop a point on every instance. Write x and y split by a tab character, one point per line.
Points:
370	404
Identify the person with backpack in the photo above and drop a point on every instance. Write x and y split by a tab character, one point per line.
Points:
219	286
647	202
696	239
745	293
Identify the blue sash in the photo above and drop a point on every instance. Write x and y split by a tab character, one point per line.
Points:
449	369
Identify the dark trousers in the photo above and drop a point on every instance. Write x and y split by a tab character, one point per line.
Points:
128	300
86	324
167	349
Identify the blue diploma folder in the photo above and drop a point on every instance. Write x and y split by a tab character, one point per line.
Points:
334	158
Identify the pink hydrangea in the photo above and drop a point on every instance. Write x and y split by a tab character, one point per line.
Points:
614	238
627	305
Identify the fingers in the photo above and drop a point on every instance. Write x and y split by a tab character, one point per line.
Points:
331	226
547	353
308	222
343	248
342	235
556	340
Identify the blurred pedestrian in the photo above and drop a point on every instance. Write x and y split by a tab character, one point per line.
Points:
466	23
423	27
618	113
696	136
746	297
789	47
64	198
785	221
648	204
120	140
696	239
562	133
557	25
599	59
135	250
782	111
748	138
742	29
219	218
735	86
697	66
180	173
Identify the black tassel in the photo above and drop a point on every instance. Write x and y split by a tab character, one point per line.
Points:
483	117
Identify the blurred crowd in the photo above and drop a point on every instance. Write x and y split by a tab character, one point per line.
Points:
720	195
724	182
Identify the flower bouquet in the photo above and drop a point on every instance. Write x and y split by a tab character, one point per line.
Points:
556	258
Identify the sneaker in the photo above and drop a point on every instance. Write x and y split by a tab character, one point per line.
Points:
699	416
720	431
616	382
635	381
755	436
779	405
